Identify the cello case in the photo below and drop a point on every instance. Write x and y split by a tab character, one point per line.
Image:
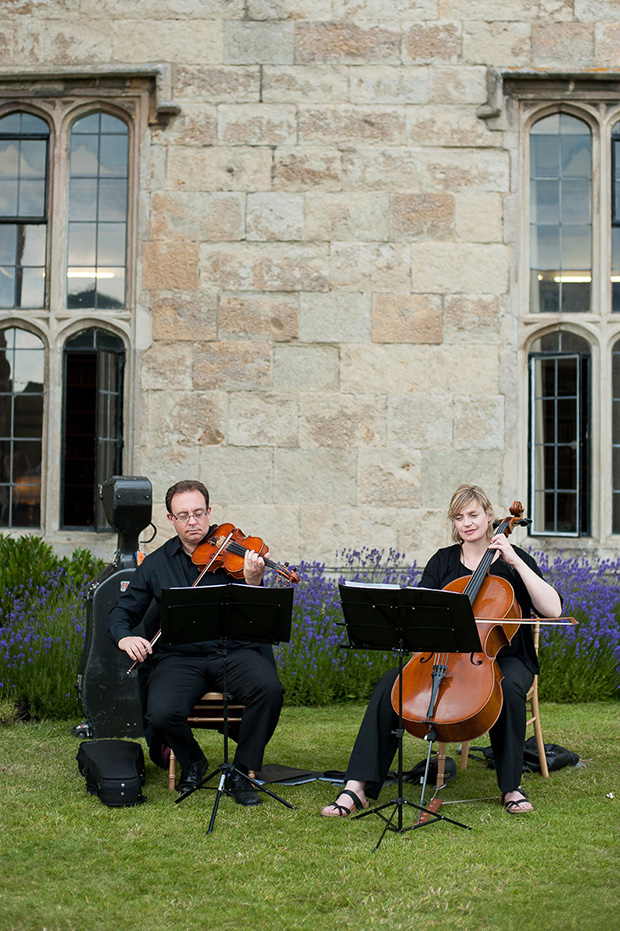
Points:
109	696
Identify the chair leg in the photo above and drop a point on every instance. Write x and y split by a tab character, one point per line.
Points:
441	764
464	754
535	720
172	771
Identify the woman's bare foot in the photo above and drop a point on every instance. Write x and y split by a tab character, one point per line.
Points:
352	798
516	802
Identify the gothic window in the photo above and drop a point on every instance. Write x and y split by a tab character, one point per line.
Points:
92	424
560	215
559	435
24	140
21	427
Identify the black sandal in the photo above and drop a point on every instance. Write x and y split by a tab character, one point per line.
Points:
341	810
513	806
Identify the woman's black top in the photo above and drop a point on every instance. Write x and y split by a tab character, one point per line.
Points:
446	566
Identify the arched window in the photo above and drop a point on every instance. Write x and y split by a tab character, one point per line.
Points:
615	218
21	427
92	424
615	435
560	469
97	248
24	142
560	215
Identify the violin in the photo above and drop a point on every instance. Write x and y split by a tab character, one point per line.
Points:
225	548
458	696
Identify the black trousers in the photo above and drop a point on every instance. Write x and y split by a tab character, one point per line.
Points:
376	744
177	682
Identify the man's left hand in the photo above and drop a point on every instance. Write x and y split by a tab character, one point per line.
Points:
253	567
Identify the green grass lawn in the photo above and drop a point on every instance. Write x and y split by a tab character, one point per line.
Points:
71	864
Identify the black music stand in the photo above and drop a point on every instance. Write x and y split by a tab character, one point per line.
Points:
220	613
404	620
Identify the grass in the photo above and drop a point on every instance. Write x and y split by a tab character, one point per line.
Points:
71	864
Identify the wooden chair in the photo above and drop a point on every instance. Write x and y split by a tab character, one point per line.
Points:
534	718
207	713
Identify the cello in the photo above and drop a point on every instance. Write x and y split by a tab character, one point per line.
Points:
458	696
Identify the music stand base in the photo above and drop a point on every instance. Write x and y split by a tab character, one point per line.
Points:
226	770
397	805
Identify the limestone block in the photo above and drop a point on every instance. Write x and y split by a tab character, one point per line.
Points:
460	268
443	470
301	169
342	421
478	421
263	419
230	365
345	42
351	124
167	266
284	9
275	215
334	317
377	11
361	266
184	10
480	376
563	43
511	10
421	532
466	169
393	169
167	365
479	217
389	84
164	466
221	168
407	318
195	125
305	368
265	267
186	418
327	532
256	43
217	83
315	476
242	476
448	125
390	477
273	316
495	43
276	524
474	318
421	216
65	42
338	216
256	124
198	217
307	83
377	368
432	42
607	44
184	315
421	420
595	10
191	42
457	84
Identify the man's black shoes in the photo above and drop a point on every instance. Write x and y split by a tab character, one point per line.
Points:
193	775
242	790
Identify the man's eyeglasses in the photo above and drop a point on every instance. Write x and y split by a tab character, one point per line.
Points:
184	516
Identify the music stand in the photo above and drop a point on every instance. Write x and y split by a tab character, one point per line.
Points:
221	613
416	620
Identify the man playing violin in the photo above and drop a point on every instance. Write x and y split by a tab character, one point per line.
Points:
471	515
179	675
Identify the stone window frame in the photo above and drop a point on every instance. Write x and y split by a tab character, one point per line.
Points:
518	98
141	97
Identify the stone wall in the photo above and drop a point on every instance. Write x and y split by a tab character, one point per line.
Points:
326	247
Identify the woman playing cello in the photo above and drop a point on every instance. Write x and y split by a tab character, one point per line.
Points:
471	515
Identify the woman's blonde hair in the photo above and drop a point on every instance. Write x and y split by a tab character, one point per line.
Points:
463	496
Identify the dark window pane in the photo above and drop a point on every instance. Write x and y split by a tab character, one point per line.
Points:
567	467
576	297
567	421
566	512
567	377
549	297
28	415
